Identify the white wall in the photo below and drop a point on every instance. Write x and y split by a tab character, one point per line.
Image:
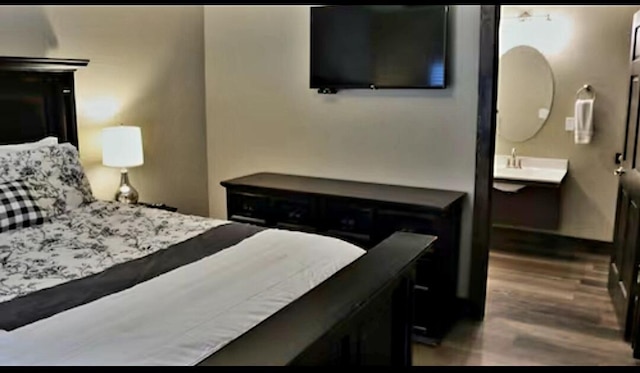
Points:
147	69
262	116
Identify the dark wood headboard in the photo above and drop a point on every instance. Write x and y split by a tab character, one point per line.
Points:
37	99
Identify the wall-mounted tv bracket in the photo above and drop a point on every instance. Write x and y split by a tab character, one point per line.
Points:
327	91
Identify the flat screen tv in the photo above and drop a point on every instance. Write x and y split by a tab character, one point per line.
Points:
384	46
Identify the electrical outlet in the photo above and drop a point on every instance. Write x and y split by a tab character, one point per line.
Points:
570	123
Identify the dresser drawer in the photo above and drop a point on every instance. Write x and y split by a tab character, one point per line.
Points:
349	218
247	207
294	210
390	221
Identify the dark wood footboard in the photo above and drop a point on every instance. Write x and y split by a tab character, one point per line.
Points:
360	316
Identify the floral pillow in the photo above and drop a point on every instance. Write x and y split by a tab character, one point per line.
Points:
54	174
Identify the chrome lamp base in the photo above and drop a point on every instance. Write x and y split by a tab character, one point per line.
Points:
126	193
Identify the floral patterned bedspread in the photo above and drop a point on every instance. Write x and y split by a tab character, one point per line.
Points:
88	240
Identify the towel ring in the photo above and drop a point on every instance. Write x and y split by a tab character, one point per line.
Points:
587	88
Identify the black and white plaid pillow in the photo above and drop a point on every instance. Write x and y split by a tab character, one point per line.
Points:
18	209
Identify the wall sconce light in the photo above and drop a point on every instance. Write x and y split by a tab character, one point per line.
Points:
527	16
549	35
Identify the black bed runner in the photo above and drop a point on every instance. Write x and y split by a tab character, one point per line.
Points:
44	303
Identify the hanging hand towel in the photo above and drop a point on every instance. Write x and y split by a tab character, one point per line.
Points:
584	121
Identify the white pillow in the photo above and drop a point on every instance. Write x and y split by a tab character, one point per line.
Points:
51	140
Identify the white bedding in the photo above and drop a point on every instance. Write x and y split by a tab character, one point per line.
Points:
183	316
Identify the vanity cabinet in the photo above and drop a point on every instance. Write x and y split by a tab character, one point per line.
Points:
534	205
365	214
528	195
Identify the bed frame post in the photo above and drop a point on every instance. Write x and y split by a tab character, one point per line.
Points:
402	325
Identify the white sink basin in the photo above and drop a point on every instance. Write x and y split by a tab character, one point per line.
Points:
542	170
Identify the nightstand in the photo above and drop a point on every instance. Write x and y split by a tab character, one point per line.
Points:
160	206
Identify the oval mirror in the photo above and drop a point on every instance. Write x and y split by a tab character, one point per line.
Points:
525	93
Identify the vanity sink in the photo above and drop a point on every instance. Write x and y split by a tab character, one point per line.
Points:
532	169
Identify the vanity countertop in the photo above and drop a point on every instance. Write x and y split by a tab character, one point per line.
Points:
539	170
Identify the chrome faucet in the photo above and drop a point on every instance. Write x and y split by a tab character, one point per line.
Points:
514	161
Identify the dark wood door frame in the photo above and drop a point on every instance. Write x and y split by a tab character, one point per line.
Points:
485	149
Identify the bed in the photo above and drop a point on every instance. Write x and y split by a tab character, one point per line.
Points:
89	282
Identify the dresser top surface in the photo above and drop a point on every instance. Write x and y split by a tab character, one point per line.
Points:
432	198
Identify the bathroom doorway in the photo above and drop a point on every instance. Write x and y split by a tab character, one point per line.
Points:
561	108
562	94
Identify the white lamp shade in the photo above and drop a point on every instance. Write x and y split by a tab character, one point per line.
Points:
122	146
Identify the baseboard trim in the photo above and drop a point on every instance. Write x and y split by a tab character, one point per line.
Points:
548	244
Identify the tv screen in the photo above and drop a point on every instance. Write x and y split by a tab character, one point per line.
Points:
384	46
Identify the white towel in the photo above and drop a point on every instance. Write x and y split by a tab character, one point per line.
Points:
584	121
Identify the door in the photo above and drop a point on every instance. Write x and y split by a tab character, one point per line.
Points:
623	269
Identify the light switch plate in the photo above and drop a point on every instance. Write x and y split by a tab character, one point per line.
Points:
569	123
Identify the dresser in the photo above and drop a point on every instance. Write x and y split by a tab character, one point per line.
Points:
365	214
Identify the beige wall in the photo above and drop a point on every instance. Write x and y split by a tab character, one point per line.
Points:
147	69
262	115
596	52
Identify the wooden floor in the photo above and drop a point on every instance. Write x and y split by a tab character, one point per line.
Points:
541	310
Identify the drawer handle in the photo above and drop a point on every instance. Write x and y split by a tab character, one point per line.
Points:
295	215
420	287
622	289
347	222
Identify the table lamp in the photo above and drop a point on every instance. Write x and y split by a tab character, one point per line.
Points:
122	147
